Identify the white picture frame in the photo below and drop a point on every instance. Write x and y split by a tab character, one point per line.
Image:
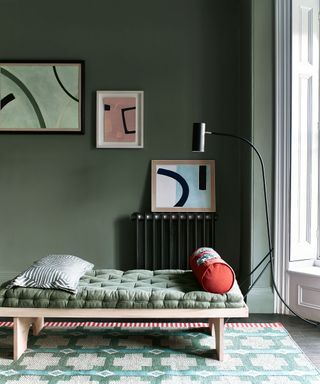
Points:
119	119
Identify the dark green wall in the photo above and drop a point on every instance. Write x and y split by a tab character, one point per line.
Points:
61	194
246	131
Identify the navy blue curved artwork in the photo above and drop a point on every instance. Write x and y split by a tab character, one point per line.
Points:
183	186
181	181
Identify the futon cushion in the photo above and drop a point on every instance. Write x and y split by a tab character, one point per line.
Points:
53	271
137	288
213	273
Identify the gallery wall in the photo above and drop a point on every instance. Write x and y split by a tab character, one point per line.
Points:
59	194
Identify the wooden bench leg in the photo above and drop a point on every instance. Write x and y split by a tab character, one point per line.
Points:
21	326
217	329
37	325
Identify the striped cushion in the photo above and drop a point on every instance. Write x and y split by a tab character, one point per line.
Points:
53	271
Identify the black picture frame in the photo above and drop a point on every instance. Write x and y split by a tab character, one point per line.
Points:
42	96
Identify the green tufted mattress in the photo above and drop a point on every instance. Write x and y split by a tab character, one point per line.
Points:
109	288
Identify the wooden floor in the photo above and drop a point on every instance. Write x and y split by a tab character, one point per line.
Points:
305	335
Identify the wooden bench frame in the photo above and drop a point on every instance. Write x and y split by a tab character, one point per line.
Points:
25	317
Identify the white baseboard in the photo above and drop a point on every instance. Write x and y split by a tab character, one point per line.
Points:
7	275
260	300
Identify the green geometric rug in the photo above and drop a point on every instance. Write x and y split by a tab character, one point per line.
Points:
118	353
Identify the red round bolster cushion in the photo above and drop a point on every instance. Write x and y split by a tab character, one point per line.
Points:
213	273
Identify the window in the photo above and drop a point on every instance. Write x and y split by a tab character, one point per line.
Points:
304	140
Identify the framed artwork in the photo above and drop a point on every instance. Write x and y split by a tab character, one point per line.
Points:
119	119
41	96
183	185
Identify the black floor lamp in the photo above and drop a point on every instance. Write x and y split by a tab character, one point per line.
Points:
198	145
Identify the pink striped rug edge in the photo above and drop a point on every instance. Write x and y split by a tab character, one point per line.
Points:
114	324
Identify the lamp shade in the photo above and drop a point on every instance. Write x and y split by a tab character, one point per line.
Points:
198	138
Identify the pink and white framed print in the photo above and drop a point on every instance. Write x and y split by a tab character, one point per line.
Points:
119	119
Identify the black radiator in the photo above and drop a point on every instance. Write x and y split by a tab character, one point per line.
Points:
166	240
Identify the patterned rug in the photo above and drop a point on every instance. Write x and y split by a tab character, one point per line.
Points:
167	353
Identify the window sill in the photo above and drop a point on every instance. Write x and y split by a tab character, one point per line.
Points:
312	268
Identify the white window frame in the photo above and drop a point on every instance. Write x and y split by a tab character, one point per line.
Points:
304	130
282	150
283	95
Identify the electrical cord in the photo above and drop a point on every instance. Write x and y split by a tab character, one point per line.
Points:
270	262
270	252
254	283
248	276
315	323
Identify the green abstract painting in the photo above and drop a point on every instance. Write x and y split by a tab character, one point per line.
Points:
41	97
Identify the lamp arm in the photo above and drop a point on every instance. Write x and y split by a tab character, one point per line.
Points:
263	178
